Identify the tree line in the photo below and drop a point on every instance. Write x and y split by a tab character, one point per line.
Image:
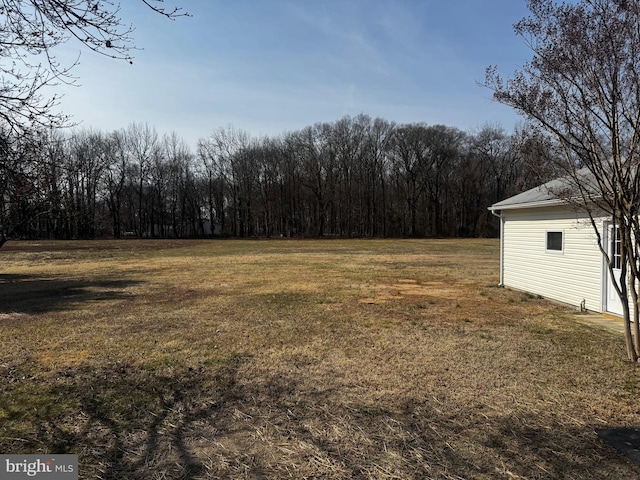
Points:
355	177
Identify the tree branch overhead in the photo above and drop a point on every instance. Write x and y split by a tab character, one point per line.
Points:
30	30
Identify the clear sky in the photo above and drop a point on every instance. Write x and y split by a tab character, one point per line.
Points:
271	66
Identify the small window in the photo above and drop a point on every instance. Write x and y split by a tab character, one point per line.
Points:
616	250
554	241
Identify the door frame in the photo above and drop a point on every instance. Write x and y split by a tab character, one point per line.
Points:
610	299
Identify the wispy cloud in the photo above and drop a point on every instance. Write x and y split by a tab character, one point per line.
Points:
270	66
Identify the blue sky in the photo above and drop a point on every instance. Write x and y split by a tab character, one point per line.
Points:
271	66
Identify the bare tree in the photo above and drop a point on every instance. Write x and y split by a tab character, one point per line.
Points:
582	87
29	32
223	156
320	167
407	152
143	144
181	205
442	155
379	135
209	155
114	178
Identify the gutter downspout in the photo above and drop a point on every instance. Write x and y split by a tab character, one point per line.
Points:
501	217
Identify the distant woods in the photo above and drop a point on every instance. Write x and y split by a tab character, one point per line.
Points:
355	177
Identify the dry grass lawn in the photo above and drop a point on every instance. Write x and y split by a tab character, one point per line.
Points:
328	359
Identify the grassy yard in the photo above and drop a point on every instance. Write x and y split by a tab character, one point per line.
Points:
301	359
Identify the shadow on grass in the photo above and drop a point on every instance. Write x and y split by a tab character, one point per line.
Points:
221	422
625	440
28	294
122	421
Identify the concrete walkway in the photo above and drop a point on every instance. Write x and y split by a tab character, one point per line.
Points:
611	323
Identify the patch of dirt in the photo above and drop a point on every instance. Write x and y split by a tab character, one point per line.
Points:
410	288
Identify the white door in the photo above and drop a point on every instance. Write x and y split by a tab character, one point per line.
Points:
613	304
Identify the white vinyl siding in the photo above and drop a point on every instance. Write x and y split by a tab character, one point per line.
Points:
568	276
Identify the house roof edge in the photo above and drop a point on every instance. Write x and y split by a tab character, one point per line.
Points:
541	203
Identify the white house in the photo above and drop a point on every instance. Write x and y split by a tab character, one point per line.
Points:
549	248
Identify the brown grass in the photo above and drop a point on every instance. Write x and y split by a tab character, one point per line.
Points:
301	359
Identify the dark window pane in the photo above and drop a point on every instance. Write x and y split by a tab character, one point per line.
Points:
554	241
616	250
